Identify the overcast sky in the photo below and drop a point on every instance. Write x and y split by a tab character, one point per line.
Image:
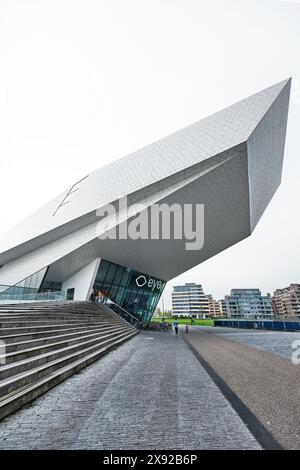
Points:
83	83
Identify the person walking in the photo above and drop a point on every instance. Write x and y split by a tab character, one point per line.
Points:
186	327
175	326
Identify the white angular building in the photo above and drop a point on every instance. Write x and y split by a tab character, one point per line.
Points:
230	161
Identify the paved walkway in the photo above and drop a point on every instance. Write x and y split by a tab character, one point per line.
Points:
262	376
151	393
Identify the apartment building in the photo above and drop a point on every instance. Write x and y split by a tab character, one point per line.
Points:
248	303
189	300
286	302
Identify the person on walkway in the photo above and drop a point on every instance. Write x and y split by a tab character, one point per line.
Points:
93	295
175	326
186	327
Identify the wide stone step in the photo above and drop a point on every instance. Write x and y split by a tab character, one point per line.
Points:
14	357
55	309
16	399
44	313
54	314
41	322
13	382
48	342
64	335
20	366
8	339
18	330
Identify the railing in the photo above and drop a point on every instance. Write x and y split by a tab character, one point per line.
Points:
13	294
260	324
261	317
128	317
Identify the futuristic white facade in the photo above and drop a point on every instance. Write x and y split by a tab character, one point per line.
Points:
231	162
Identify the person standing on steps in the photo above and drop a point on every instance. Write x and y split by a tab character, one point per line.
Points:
100	297
175	326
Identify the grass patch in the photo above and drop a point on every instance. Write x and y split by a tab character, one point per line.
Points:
182	321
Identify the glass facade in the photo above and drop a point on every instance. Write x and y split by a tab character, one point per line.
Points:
30	285
29	290
136	292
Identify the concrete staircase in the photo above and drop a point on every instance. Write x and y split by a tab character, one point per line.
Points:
41	344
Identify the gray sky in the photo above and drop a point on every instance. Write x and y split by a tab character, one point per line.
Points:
83	83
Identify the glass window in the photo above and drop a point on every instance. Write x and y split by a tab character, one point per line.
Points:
118	276
110	275
134	291
104	265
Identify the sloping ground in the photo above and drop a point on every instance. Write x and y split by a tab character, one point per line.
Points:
44	343
262	386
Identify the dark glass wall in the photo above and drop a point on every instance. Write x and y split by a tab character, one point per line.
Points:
136	292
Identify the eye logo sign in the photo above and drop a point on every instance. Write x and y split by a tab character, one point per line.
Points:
152	283
141	281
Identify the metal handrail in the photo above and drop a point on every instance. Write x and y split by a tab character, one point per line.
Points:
121	312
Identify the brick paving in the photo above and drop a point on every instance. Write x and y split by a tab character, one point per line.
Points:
150	393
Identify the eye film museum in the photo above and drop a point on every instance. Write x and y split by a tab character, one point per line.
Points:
231	162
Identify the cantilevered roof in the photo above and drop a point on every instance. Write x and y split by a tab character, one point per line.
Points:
240	147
